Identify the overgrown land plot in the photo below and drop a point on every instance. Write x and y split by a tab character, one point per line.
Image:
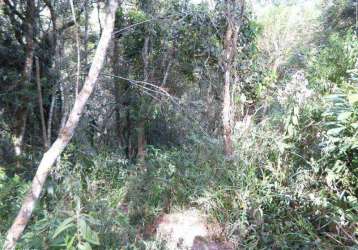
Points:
178	124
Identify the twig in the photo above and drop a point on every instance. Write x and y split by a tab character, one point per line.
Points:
145	21
160	91
330	236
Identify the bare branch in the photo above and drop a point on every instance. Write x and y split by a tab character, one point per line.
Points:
12	8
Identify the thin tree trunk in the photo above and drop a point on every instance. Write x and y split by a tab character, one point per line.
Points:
145	57
86	37
20	128
65	135
116	89
99	17
78	47
54	50
141	141
21	113
229	47
41	109
119	87
228	145
64	111
166	74
130	151
55	87
230	44
62	86
50	116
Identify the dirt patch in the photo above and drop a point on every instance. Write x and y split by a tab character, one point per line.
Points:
189	229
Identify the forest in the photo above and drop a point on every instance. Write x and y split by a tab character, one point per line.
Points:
178	124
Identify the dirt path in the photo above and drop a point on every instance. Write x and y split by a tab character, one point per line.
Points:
190	229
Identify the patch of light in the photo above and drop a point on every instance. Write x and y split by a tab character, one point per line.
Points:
210	3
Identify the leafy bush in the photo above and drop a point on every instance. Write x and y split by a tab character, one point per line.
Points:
329	66
13	189
340	144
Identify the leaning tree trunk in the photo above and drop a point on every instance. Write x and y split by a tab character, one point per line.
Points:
65	134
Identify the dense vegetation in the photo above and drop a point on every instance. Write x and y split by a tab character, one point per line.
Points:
155	136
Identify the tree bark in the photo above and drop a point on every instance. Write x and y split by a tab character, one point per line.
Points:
20	128
50	116
54	50
230	45
65	135
117	89
86	36
141	141
226	116
41	109
22	112
78	47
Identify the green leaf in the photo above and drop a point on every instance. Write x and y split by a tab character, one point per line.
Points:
90	219
69	241
295	120
118	197
283	146
84	246
63	226
290	130
296	111
87	233
352	98
335	131
354	125
336	97
344	116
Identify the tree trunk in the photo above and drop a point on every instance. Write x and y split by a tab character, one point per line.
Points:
21	113
54	50
78	47
41	109
50	116
226	116
230	44
119	87
64	105
66	133
141	141
86	35
129	150
20	128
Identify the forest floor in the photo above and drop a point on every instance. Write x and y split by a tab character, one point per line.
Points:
190	229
